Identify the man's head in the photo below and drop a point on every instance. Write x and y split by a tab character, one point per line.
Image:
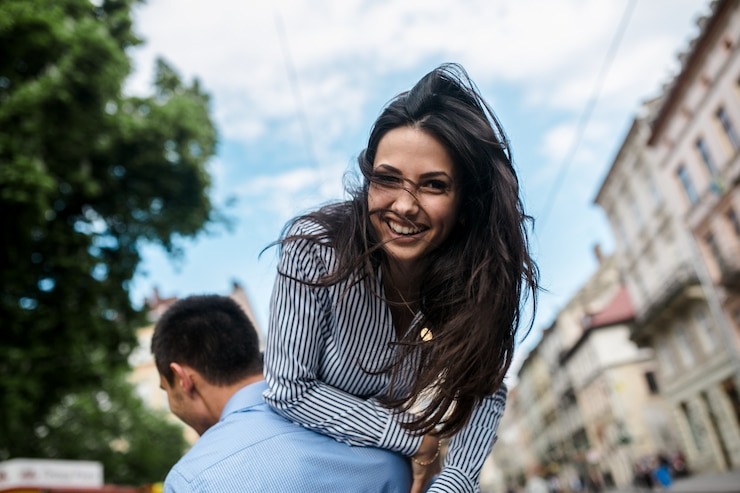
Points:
205	348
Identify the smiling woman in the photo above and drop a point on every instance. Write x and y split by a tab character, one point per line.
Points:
394	314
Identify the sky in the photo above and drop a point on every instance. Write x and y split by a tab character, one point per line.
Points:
297	84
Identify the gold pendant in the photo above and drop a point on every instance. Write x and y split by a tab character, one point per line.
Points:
426	334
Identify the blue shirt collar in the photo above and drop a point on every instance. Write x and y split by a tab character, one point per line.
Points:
246	397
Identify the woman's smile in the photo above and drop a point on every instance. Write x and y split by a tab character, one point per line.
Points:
406	229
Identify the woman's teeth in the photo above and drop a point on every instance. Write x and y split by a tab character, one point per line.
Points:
403	230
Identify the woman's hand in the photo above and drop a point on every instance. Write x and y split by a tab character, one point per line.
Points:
425	463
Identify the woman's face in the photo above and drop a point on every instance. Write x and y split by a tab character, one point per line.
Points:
413	189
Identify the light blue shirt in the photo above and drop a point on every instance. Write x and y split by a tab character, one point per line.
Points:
254	449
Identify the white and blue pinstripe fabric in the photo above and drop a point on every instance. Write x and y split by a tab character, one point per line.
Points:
253	449
319	342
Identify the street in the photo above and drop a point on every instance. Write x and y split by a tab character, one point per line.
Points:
727	482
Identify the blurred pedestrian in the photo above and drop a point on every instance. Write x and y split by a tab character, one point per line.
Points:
207	353
553	483
576	484
535	482
678	465
643	474
662	473
594	481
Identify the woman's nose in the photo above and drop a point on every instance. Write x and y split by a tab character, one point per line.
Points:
406	201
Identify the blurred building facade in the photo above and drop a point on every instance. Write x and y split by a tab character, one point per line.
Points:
144	375
643	360
586	406
694	144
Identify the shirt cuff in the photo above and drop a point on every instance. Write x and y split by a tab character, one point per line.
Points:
452	480
398	439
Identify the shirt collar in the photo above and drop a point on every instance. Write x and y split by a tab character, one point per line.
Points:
246	397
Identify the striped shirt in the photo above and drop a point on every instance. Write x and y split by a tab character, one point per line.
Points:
319	344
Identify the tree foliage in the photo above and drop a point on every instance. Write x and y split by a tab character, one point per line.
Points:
110	425
86	175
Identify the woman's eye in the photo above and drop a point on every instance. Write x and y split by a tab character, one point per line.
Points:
387	180
435	186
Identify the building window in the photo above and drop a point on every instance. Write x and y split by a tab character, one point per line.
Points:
652	383
580	440
713	247
621	233
688	186
654	191
729	128
732	217
634	206
666	361
650	263
639	284
695	426
701	146
684	345
704	329
728	385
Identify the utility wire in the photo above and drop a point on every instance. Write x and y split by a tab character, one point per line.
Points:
294	86
586	115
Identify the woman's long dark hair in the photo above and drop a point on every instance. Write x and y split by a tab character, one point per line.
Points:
473	291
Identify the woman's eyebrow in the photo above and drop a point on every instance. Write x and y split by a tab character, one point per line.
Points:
388	167
435	174
428	174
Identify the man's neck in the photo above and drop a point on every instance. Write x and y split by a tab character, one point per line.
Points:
215	397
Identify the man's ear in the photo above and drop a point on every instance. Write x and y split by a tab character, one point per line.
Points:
182	377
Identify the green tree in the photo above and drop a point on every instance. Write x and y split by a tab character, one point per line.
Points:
111	425
86	175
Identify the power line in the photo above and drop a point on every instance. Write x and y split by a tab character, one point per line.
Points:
586	115
294	86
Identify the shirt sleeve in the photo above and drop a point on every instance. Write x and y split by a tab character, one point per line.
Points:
176	483
469	448
300	316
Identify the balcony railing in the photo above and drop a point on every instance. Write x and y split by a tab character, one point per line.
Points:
670	292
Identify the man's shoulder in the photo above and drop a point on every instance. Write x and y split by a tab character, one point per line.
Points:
236	433
230	441
245	448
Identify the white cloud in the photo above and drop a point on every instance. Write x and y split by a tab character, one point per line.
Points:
286	194
340	49
291	182
559	140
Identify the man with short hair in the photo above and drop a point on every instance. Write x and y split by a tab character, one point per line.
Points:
207	354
